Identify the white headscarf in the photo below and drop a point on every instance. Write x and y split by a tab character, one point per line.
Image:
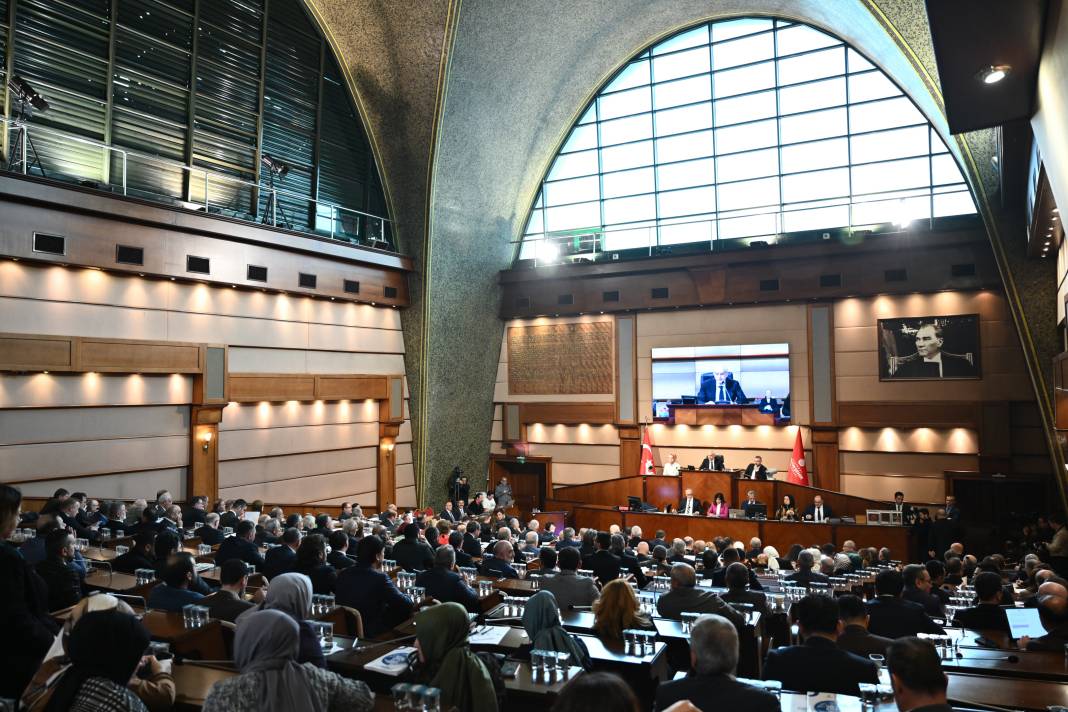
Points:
773	557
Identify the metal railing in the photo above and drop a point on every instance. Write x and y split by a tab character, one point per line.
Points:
267	204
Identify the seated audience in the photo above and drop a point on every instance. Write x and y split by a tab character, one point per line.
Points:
271	533
197	512
324	524
64	581
737	581
292	594
710	685
731	555
891	617
139	556
229	601
472	545
272	679
500	564
235	514
339	547
804	574
447	662
987	614
627	560
209	531
241	546
412	553
570	589
1053	608
311	561
116	518
598	690
916	676
547	558
282	559
855	637
443	584
604	564
616	611
176	590
918	589
371	592
541	621
456	541
685	597
819	665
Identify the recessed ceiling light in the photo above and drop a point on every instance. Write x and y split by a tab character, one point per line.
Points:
994	73
1055	211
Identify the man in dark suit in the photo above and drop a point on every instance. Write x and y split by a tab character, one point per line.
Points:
916	676
240	546
818	511
710	683
604	564
196	513
721	388
952	510
339	547
730	556
628	560
139	556
456	541
855	636
116	520
804	574
235	514
690	504
443	584
685	597
737	579
712	462
472	545
371	592
63	579
930	361
755	470
899	504
179	583
658	540
229	601
412	553
282	559
941	534
324	525
750	505
209	531
819	665
447	514
988	613
890	616
918	590
500	564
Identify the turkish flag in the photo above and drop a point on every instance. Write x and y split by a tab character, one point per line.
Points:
798	473
646	465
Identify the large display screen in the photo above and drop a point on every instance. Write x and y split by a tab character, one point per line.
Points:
744	375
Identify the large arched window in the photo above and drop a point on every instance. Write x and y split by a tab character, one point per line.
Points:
736	130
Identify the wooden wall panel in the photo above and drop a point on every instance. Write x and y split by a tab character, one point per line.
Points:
282	387
137	357
607	492
21	352
351	387
567	413
891	414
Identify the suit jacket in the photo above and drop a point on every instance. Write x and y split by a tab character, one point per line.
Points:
463	559
209	536
131	561
570	589
498	568
985	616
373	594
228	518
28	629
339	560
756	599
630	563
857	640
279	560
953	366
413	554
447	514
819	666
698	507
767	405
605	566
225	605
166	598
932	604
807	576
445	586
760	470
323	577
715	692
115	526
893	617
235	548
707	464
810	512
719	579
193	516
63	581
472	546
707	393
693	600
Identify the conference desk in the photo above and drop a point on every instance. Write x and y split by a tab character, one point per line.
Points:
781	535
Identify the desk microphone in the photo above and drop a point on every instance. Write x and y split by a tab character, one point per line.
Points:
1009	658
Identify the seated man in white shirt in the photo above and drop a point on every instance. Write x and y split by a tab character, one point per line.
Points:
672	467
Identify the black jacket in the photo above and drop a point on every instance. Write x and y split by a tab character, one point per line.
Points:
819	666
28	629
715	692
806	576
228	519
472	546
857	640
630	563
225	605
193	516
605	566
374	595
413	554
931	604
892	617
235	548
985	616
279	560
323	577
131	561
719	579
209	536
63	581
445	586
756	599
339	560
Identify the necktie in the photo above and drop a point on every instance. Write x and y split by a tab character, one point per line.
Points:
689	504
721	396
819	514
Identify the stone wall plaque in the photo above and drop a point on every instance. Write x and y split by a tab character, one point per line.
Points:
560	359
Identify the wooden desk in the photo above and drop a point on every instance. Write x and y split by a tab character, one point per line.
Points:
110	582
969	690
192	683
96	553
700	414
1031	665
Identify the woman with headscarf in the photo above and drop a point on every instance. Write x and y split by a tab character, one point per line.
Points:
105	649
541	620
447	662
773	558
292	594
271	679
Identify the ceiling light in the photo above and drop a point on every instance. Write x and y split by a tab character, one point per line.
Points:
1055	211
994	73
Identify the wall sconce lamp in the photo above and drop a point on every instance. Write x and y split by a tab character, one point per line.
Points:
206	440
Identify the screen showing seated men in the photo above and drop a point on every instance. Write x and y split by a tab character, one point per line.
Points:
744	375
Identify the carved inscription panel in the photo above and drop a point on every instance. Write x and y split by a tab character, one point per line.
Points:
558	359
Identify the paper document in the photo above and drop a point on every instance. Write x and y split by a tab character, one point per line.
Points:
488	635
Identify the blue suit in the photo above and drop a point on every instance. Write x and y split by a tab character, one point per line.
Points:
170	599
498	567
446	586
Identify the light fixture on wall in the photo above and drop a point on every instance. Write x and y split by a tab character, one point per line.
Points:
993	74
205	440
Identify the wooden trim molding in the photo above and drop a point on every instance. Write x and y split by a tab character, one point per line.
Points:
910	414
257	387
568	413
81	354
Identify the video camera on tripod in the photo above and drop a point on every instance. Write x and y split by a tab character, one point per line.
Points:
24	100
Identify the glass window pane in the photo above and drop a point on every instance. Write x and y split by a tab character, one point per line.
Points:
816	154
857	63
957	203
629	155
878	212
633	101
884	145
944	170
679	148
535	224
806	67
624	210
681	64
818	124
818	95
801	38
688	202
635	74
743	51
747	136
686	118
817	185
632	128
683	175
892	175
693	228
886	114
628	237
570	217
815	218
590	115
690	38
755	164
569	165
745	108
576	190
528	249
744	79
937	144
749	194
683	91
582	137
736	28
628	183
871	85
747	226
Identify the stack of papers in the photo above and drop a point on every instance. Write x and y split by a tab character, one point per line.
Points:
488	635
392	663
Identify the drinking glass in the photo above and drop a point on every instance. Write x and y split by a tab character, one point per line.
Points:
432	700
415	697
563	664
189	615
228	531
203	549
105	533
878	660
534	583
120	550
537	661
418	593
326	635
203	616
29	533
400	696
520	569
869	695
119	533
328	602
688	620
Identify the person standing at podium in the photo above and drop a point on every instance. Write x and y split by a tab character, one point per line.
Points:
755	470
689	504
672	467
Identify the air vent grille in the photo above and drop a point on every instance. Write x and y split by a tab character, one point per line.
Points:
127	255
307	281
352	286
390	292
256	273
769	285
660	292
49	244
200	265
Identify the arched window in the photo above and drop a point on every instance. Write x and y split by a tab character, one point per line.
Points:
741	129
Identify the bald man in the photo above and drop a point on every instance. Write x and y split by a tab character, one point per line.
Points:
1053	607
500	564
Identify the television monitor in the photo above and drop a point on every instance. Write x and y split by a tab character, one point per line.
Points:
757	511
747	375
634	504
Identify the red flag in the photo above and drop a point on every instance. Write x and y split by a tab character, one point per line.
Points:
798	473
646	465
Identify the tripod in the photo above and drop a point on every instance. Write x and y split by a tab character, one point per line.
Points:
272	205
14	156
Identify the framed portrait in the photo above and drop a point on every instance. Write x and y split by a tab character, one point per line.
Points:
925	348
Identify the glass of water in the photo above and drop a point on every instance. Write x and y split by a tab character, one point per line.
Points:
105	533
228	531
400	696
189	615
120	550
203	549
537	663
432	699
563	663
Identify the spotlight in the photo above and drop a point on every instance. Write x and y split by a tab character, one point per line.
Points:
276	166
994	73
26	94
